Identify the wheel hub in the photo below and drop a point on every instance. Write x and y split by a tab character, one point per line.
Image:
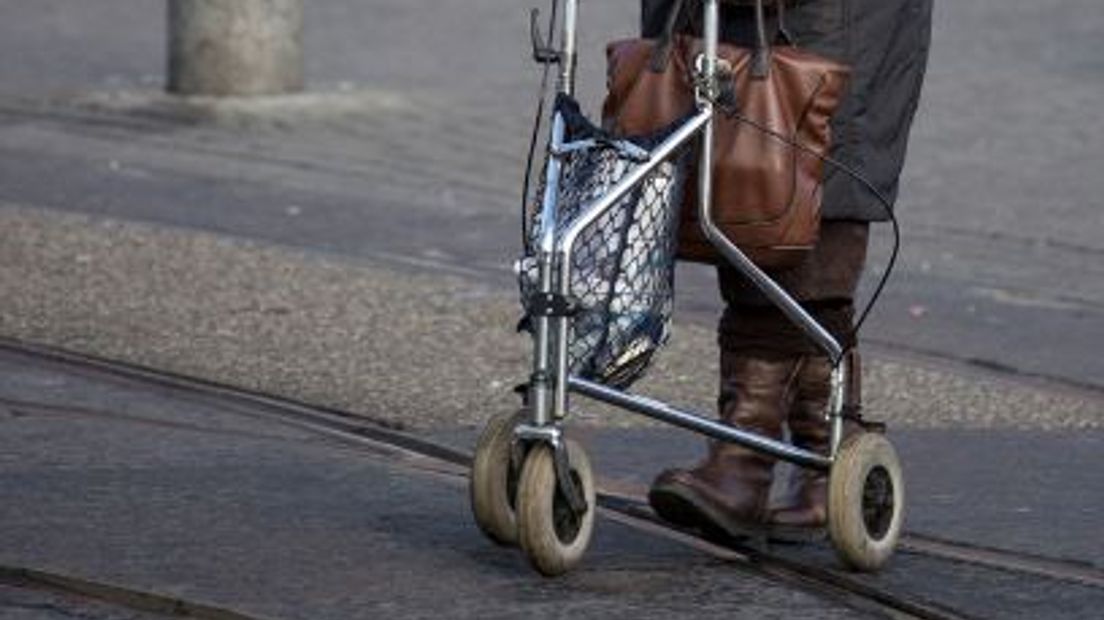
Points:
877	503
565	520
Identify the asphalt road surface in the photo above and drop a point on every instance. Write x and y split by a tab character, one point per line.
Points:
214	500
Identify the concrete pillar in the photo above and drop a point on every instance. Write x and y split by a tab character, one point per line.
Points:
235	47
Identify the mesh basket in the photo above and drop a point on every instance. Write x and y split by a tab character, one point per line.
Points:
622	276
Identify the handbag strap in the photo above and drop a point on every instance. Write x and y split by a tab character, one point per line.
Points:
760	65
783	33
661	55
760	60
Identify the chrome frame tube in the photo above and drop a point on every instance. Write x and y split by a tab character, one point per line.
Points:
560	325
733	254
835	408
555	272
775	293
559	392
710	35
665	413
542	410
568	58
539	385
551	188
566	243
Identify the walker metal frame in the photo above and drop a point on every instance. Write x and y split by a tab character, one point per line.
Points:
551	381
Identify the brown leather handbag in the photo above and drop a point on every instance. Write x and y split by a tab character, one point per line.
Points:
766	192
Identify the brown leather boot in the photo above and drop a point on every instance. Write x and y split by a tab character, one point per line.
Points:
727	493
802	515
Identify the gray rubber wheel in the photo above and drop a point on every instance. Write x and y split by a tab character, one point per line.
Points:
493	481
866	501
552	536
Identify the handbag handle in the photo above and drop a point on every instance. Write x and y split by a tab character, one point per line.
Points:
660	53
760	60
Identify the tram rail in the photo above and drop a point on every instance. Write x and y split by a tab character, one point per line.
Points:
433	458
111	594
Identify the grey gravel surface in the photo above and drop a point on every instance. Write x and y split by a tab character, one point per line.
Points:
412	349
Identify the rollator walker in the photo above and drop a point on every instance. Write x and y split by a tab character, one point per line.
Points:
533	487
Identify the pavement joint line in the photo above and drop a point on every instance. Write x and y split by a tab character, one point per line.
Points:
629	510
822	581
130	598
21	408
414	453
422	262
194	387
1059	569
1072	571
647	525
904	351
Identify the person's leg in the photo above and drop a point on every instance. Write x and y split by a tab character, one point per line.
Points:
769	370
728	491
800	514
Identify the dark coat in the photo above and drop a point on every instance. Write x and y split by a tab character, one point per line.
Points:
886	44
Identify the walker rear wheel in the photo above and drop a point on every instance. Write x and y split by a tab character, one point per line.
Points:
494	476
866	501
552	535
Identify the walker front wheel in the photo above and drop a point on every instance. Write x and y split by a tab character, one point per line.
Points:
553	535
866	501
494	476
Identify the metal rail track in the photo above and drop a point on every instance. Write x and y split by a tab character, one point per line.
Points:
434	458
127	598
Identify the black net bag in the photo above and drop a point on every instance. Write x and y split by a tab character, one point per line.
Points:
622	275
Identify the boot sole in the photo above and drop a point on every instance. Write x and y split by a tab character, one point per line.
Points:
685	508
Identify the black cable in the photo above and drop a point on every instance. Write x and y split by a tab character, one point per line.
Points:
537	122
856	175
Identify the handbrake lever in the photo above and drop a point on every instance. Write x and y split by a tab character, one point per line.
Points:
543	52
